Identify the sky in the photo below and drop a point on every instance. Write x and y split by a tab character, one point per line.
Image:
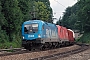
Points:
59	6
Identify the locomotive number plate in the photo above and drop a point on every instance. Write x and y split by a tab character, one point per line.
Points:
30	36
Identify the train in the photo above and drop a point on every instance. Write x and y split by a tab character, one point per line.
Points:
40	34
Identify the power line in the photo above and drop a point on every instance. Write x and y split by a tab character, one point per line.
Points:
60	3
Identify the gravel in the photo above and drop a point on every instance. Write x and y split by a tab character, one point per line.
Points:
27	56
85	55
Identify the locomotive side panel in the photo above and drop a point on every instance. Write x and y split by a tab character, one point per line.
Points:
51	32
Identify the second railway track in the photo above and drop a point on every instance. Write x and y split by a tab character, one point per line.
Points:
64	54
46	55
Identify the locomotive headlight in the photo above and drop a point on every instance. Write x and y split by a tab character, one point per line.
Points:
23	37
39	35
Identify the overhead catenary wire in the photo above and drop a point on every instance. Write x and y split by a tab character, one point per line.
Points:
60	3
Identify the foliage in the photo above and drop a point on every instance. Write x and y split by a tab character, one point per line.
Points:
78	16
13	13
13	17
85	38
42	12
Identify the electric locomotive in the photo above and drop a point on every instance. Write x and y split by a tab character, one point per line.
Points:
38	33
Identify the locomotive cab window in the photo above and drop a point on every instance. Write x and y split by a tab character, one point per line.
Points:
35	27
31	28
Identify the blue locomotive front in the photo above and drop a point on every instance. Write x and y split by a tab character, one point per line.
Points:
31	31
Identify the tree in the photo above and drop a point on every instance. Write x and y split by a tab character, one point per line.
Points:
65	18
26	8
14	12
13	17
3	35
78	16
47	7
42	12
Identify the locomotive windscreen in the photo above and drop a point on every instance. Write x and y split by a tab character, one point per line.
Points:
30	28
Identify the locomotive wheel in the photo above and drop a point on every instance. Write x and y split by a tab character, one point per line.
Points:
42	47
28	47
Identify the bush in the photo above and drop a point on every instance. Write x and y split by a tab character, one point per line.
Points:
85	38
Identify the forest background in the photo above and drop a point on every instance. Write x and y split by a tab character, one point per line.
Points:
14	12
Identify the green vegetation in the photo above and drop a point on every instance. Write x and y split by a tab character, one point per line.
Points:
77	17
85	38
14	12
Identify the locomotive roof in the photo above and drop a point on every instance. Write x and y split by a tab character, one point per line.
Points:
29	21
38	21
35	21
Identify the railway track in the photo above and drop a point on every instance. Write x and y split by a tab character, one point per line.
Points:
64	54
13	51
7	52
55	54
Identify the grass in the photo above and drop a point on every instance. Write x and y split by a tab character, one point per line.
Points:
7	45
